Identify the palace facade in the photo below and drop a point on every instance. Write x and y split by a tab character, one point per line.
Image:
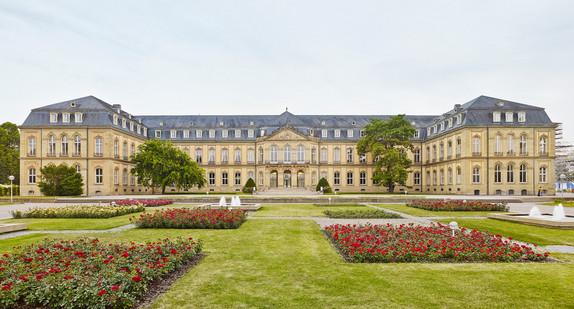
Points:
485	146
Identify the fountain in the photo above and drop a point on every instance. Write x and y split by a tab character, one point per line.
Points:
222	202
235	203
558	213
558	219
535	212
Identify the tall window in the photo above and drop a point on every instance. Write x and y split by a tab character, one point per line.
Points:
116	177
458	147
250	133
434	152
133	149
476	145
441	153
522	173
323	133
116	148
337	133
476	174
237	179
350	178
132	179
510	142
449	147
428	179
337	178
521	117
417	178
498	144
32	176
497	173
300	154
125	177
211	178
287	154
323	155
441	177
52	145
417	156
250	155
198	133
450	176
349	155
224	180
428	154
510	173
32	146
237	156
261	153
496	117
66	118
211	154
543	175
125	148
79	117
434	178
523	145
349	133
543	146
337	155
363	178
224	156
199	155
185	133
458	175
77	145
261	179
99	176
99	146
65	145
509	117
313	155
273	155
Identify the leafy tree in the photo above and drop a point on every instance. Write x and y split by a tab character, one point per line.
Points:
9	152
249	186
325	184
60	181
159	164
388	141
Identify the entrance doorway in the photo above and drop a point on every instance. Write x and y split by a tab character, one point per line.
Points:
287	179
300	179
273	179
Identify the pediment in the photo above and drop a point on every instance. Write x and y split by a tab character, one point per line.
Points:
287	134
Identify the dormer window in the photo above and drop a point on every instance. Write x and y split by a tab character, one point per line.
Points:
349	133
237	133
428	131
116	120
496	117
131	126
198	133
250	133
211	133
442	126
509	117
324	133
173	134
157	133
53	117
262	132
362	133
145	132
139	129
124	122
311	132
417	134
458	119
66	118
337	133
224	133
185	133
521	117
79	117
450	123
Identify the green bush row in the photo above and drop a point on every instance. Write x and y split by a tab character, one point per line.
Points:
6	191
360	213
78	211
336	204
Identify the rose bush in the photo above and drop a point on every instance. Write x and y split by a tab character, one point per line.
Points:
78	211
86	273
457	205
197	218
147	203
409	243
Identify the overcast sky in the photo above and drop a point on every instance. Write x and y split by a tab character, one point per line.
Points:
314	57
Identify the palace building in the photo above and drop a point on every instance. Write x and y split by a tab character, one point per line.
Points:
485	146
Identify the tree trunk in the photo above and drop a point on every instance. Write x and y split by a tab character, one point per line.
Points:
162	189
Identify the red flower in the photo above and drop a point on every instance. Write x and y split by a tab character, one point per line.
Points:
39	277
137	278
7	287
102	292
115	287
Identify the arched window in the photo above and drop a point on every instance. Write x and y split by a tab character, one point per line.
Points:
300	154
522	173
78	168
99	175
287	154
442	177
125	152
237	156
458	175
450	176
99	147
32	175
32	146
441	153
458	147
523	145
417	156
497	174
116	176
434	180
224	156
434	152
211	156
498	144
476	146
449	149
428	154
476	174
250	155
261	153
543	146
273	155
337	155
543	176
116	148
417	178
65	145
510	173
51	145
125	177
77	146
133	150
510	142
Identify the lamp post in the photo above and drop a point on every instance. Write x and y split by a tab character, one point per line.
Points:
11	188
562	178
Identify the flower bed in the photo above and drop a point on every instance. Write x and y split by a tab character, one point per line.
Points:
337	204
410	243
360	213
457	205
197	218
78	211
147	203
86	273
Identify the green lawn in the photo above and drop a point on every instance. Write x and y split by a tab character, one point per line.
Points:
565	204
298	210
48	224
528	233
289	264
427	213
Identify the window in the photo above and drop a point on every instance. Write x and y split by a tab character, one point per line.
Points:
434	178
450	176
509	117
211	154
337	133
173	134
417	178
543	146
498	144
237	156
522	173
349	178
442	177
125	177
198	133
185	133
458	119
521	117
450	123
250	155
157	133
324	175
476	146
237	133
211	178
52	145
77	145
66	118
542	174
417	134
523	145
32	146
79	117
337	155
124	122
224	133
250	175
363	158
510	173
434	152
476	174
250	133
211	133
510	144
362	133
324	133
125	152
199	155
237	179
300	154
224	180
428	154
133	149
224	156
116	177
441	151
116	148
458	175
349	133
53	117
139	129
131	126
32	176
99	175
417	155
428	179
261	154
313	155
64	145
496	117
323	155
186	151
287	154
262	132
78	168
116	120
497	174
349	155
132	179
273	155
145	132
261	179
458	147
363	178
449	147
337	178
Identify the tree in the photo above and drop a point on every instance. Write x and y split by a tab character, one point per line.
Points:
388	141
249	186
9	153
60	181
323	183
159	164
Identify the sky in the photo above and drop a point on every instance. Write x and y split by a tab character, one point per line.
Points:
312	57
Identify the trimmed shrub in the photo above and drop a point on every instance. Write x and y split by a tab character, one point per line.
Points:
249	186
325	184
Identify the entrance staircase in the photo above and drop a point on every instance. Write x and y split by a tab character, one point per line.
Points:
287	192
